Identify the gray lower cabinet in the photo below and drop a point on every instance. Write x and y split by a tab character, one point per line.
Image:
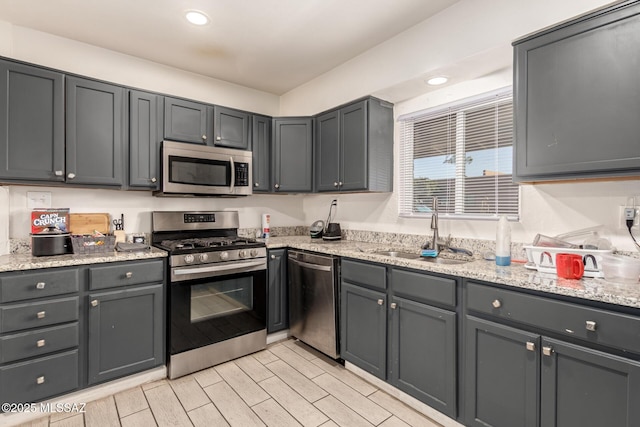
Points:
354	147
575	117
277	291
232	128
146	121
292	155
187	121
261	150
125	332
96	134
31	123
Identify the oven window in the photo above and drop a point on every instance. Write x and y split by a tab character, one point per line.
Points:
185	170
221	298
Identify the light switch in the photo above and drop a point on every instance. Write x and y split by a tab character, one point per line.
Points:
38	199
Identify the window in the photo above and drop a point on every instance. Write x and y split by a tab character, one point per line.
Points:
462	153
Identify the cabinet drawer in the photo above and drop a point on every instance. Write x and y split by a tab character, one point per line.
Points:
38	342
424	287
44	283
15	317
370	275
111	276
591	324
39	379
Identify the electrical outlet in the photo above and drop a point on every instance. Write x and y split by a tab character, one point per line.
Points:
626	213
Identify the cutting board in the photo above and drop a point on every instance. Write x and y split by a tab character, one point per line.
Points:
86	223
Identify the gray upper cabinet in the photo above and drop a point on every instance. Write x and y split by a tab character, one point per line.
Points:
31	123
187	121
354	147
95	132
261	150
576	91
145	136
292	155
231	128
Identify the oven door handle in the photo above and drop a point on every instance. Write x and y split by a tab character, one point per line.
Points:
311	266
214	268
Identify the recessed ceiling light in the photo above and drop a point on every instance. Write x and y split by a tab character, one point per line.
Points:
196	17
438	80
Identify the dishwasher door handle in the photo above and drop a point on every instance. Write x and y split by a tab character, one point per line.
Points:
311	266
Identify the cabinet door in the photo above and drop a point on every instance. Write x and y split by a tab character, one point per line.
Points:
31	123
145	136
277	291
328	151
354	153
95	132
293	155
423	353
231	128
125	329
583	387
363	328
261	143
576	116
502	375
187	121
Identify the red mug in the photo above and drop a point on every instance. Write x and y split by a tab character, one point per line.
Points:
569	266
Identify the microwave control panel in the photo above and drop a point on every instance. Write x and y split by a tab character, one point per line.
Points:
242	174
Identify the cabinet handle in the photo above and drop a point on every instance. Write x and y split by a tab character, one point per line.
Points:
40	343
277	186
547	351
531	346
154	179
256	184
95	303
204	137
591	325
273	257
41	314
40	380
128	275
496	303
218	138
335	184
71	175
59	173
394	305
40	285
380	301
339	183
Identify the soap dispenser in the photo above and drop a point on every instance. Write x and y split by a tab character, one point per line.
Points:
503	242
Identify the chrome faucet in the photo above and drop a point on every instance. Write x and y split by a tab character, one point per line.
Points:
434	225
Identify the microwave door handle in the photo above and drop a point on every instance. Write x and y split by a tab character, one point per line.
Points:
233	174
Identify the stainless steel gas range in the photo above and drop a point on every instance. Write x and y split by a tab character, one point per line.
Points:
217	289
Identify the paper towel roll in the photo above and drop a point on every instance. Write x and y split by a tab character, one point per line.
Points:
266	227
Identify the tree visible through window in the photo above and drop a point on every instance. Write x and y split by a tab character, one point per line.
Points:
462	154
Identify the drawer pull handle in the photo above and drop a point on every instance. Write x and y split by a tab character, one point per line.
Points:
94	303
591	325
40	380
394	305
128	275
496	303
547	351
40	285
40	343
380	301
41	314
531	346
569	331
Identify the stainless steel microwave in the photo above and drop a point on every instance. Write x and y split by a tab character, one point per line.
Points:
200	170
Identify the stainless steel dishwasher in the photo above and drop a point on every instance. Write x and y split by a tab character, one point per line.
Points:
314	300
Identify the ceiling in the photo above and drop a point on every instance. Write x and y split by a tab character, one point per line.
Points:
269	45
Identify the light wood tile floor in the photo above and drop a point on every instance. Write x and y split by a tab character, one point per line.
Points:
288	384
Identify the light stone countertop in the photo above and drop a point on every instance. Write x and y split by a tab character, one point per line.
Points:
13	262
516	275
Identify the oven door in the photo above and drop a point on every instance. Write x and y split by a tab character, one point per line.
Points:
208	310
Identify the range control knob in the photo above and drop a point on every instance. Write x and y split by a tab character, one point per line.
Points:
189	258
242	253
224	255
203	257
254	252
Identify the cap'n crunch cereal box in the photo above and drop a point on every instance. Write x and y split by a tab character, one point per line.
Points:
43	218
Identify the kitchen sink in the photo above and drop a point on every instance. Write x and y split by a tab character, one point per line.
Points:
399	254
413	255
450	261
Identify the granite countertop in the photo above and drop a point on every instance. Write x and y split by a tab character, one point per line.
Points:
516	275
13	262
